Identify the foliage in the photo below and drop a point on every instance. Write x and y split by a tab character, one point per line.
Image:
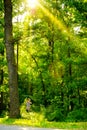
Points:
43	123
77	115
54	115
51	54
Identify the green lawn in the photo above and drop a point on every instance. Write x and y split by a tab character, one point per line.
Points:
38	120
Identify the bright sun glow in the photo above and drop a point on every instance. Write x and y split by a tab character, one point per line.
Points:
32	3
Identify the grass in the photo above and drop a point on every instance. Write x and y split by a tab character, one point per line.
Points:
37	120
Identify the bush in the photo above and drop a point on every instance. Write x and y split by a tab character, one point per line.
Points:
35	108
77	115
54	114
4	113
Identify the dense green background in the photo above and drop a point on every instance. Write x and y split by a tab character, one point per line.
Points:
51	51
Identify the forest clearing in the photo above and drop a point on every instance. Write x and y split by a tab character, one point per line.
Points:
43	58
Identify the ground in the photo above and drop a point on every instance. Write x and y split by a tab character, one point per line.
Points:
6	127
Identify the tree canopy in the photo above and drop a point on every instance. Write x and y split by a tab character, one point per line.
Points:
49	52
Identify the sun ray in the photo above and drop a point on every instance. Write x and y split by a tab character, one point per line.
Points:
57	22
32	3
54	19
62	27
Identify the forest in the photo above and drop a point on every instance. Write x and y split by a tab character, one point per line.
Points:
43	56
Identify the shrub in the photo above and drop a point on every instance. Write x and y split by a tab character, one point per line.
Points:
54	114
77	115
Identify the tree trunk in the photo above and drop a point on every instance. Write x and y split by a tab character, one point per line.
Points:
12	67
1	69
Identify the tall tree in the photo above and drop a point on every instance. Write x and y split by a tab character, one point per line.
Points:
1	43
12	67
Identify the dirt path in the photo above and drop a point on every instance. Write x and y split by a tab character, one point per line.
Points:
6	127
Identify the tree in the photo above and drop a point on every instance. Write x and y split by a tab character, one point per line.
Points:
12	67
1	43
52	54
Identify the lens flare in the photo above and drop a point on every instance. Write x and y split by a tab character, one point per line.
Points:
32	3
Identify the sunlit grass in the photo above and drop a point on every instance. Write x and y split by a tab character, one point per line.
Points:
44	123
29	119
38	120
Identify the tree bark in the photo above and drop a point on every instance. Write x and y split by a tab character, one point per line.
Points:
12	67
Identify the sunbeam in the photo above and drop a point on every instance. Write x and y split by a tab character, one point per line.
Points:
57	22
32	3
62	27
